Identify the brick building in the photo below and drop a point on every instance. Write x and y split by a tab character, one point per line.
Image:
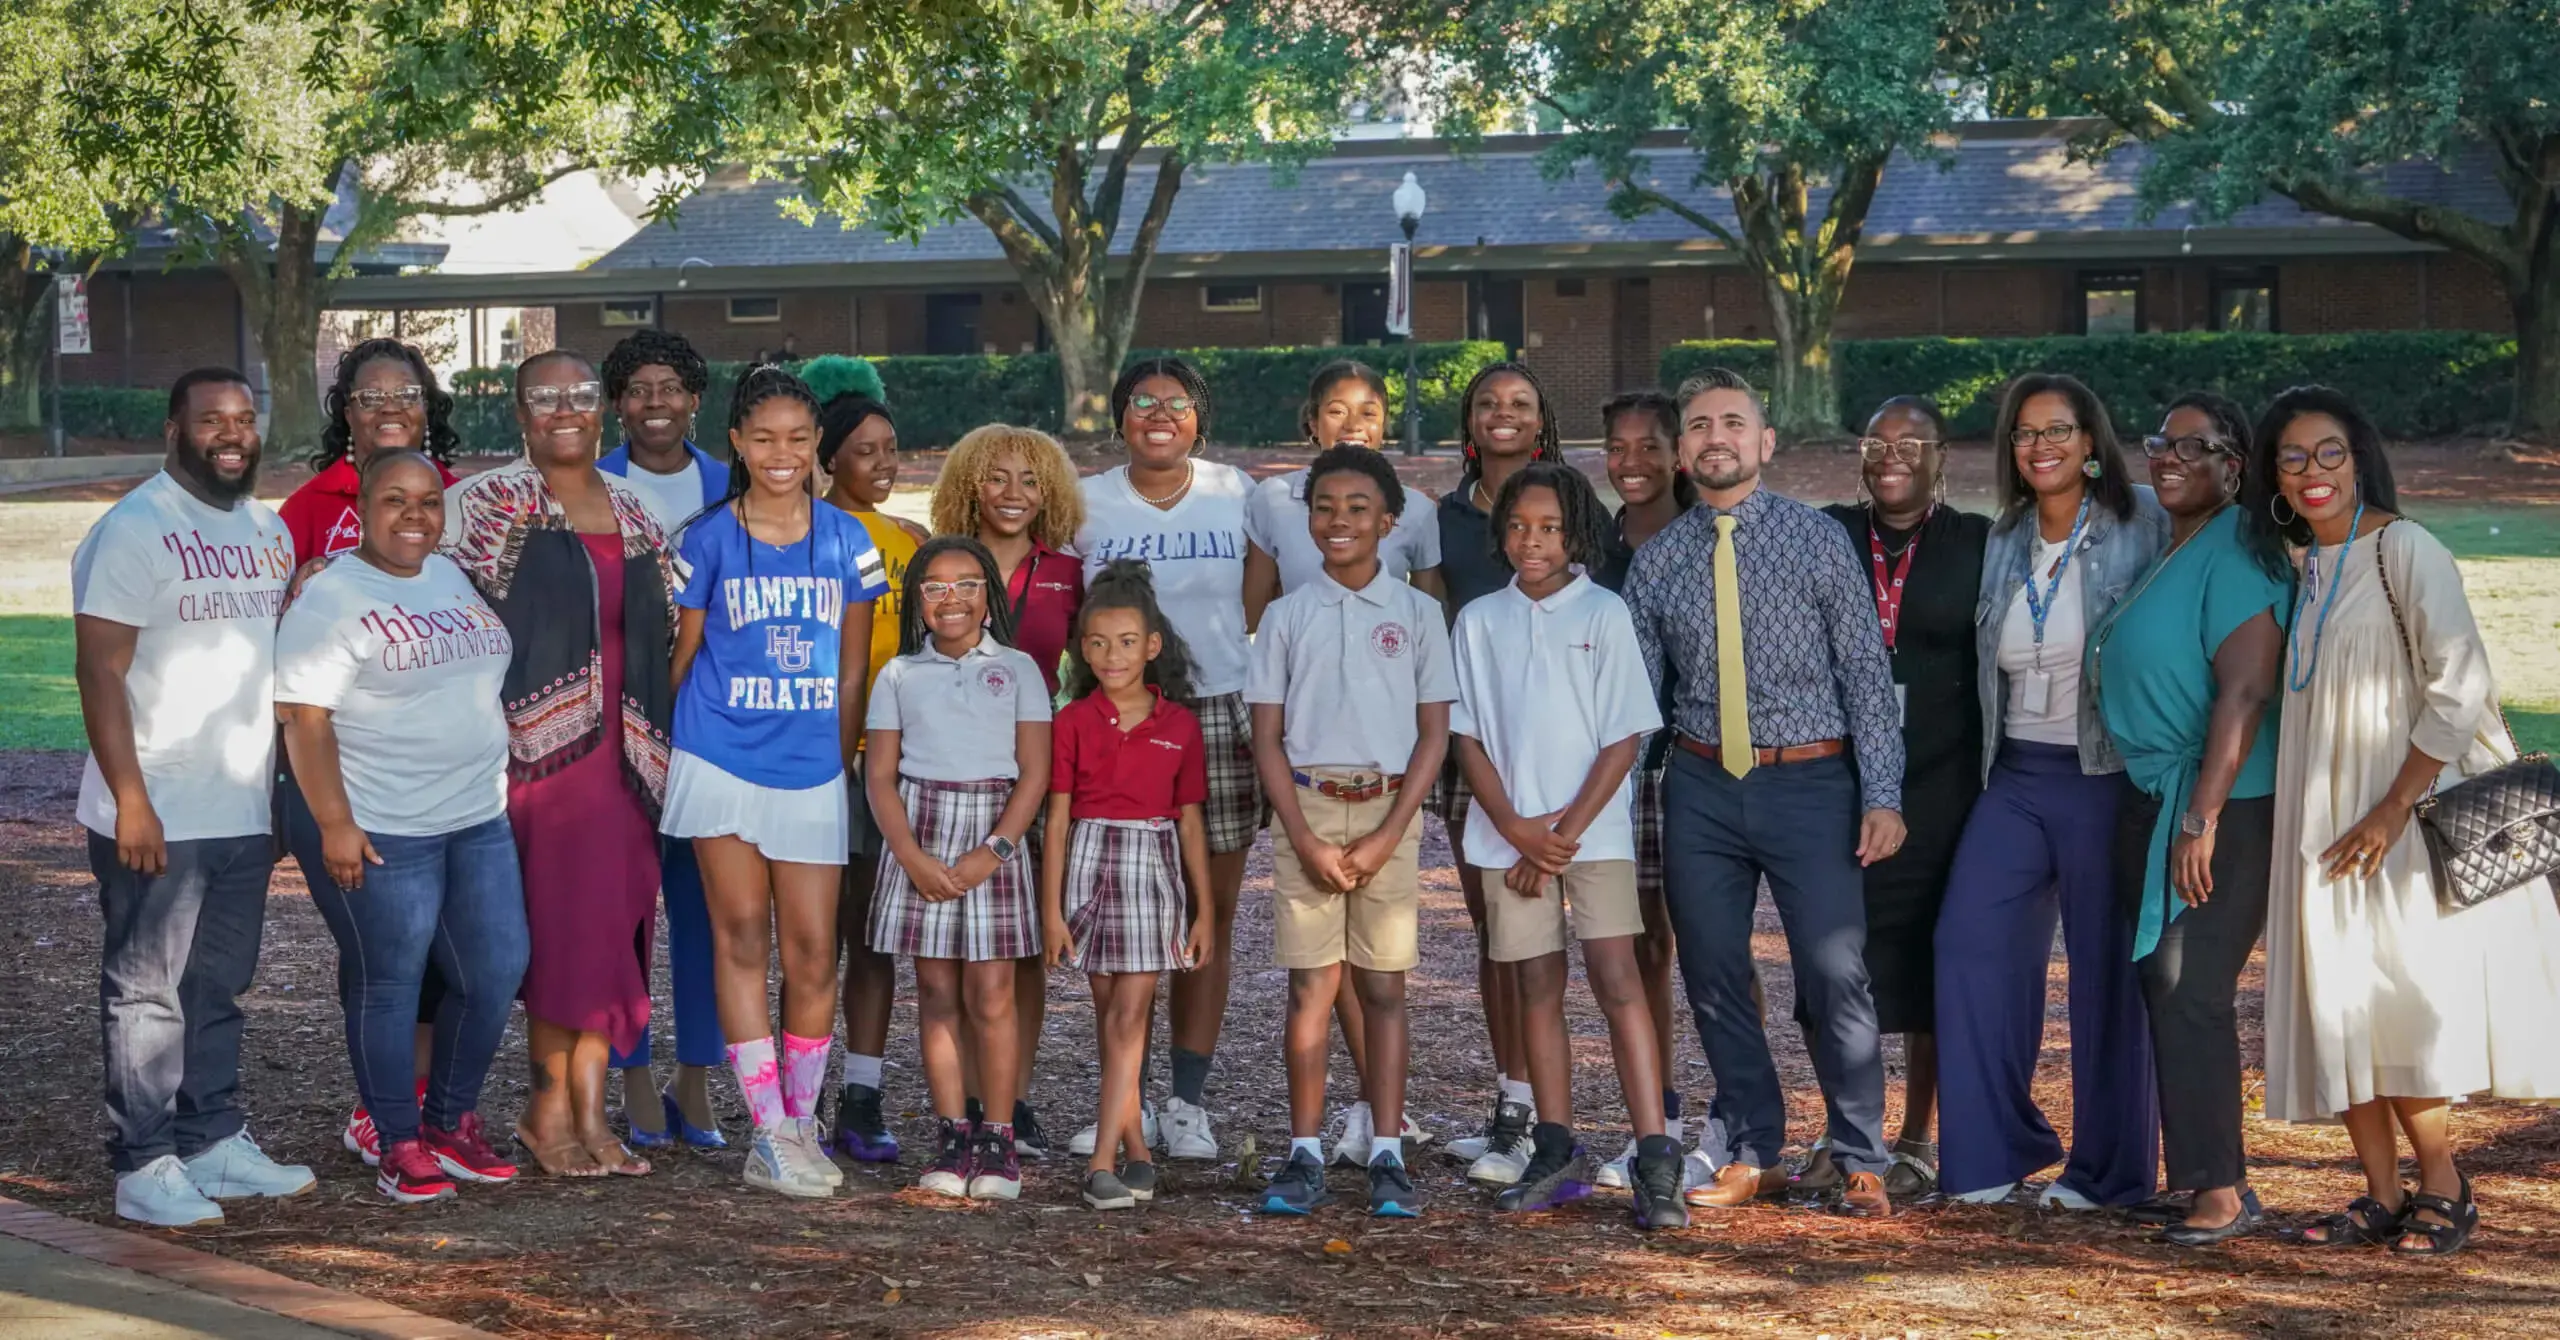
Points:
2009	238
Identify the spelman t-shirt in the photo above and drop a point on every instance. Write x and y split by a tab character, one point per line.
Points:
412	670
760	699
1195	549
203	585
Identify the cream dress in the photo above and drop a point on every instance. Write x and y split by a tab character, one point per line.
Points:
2372	990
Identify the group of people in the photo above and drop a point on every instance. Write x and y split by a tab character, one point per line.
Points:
497	720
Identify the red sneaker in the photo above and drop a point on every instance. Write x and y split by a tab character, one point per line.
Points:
360	1138
463	1153
410	1175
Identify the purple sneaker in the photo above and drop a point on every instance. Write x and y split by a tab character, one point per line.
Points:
1559	1173
861	1134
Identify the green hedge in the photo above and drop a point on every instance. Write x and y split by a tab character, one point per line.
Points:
1256	392
133	414
2413	383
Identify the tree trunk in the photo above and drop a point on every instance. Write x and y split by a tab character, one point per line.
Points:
283	290
23	310
1087	365
1804	392
2535	415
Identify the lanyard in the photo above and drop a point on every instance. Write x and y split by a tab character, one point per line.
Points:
1020	586
1889	587
2038	610
2301	667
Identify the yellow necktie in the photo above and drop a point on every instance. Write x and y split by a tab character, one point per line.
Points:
1733	702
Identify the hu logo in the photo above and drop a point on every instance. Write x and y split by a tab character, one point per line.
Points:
791	652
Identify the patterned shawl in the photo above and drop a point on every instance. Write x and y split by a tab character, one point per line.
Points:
515	541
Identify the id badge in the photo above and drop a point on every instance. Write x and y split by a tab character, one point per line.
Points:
2035	692
1901	705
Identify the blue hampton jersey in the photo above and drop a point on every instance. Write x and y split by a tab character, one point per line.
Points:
760	699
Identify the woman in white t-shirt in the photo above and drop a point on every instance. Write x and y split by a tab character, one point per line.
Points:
389	668
1185	518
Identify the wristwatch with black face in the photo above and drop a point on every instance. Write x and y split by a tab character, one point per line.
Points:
1003	847
2194	825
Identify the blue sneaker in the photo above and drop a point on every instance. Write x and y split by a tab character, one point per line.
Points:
1299	1188
1392	1194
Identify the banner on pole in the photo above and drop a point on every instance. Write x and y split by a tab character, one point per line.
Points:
1400	289
70	314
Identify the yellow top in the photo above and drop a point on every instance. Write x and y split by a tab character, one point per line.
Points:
897	547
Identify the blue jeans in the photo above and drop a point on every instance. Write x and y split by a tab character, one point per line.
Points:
179	948
454	899
698	1040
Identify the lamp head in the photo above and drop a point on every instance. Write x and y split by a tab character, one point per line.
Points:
1409	201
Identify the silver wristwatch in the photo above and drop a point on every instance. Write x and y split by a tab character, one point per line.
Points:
2194	825
1003	847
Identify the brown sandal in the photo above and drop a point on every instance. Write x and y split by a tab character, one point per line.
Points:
553	1158
627	1165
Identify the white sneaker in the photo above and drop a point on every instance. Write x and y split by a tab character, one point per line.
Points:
2060	1197
1472	1147
158	1193
1359	1130
775	1163
1414	1136
1990	1195
813	1149
1507	1146
1187	1134
1619	1173
237	1168
1082	1145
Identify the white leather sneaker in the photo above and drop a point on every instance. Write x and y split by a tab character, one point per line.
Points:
1082	1145
159	1194
1186	1132
775	1162
236	1168
1359	1129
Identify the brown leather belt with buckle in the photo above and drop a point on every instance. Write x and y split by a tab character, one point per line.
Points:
1794	753
1351	792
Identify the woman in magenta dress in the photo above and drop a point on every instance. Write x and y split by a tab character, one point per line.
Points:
580	575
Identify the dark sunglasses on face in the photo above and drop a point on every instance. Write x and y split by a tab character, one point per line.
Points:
2053	433
582	397
375	399
2191	449
1908	450
2328	451
1177	406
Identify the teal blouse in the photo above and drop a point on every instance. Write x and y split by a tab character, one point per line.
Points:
2152	663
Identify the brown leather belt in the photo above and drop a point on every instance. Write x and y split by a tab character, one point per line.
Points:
1794	753
1356	793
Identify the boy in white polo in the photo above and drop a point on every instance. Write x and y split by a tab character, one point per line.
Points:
1350	691
1553	705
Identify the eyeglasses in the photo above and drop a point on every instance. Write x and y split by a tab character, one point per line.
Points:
1908	450
582	398
1177	406
375	399
2328	451
2054	434
665	390
939	591
2190	449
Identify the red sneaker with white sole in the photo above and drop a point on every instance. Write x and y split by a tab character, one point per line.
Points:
463	1153
409	1175
361	1139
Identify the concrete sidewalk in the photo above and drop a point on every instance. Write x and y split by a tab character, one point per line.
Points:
63	1279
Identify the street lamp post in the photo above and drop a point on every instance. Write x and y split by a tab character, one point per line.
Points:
1409	201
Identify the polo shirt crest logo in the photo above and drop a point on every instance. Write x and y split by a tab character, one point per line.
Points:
1390	640
995	680
790	652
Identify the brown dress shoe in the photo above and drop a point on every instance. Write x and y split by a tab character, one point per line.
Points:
1865	1197
1738	1184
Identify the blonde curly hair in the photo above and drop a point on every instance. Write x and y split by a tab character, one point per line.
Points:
973	458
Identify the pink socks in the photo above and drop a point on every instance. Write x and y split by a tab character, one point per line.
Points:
758	1079
804	1073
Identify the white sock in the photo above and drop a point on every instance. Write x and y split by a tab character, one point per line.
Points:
1310	1145
862	1070
1386	1151
1514	1090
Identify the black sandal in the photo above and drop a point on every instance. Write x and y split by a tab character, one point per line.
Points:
2460	1217
2366	1222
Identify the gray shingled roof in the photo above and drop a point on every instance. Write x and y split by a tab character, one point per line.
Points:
1991	186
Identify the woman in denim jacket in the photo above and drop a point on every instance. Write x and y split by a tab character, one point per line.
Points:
2073	534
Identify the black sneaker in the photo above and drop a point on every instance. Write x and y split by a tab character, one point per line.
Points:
1559	1173
1299	1188
862	1134
1659	1167
974	1112
1392	1194
1028	1139
1140	1178
995	1171
949	1172
1103	1190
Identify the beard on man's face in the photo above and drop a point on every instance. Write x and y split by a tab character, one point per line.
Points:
225	468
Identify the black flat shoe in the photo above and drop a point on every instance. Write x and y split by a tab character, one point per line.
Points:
2160	1211
2242	1225
2460	1217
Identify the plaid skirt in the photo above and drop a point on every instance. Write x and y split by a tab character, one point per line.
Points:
999	919
1450	798
1649	883
1124	903
1235	811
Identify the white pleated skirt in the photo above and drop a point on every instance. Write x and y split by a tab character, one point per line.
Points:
806	827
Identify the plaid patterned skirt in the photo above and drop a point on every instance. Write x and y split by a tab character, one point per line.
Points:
1235	811
1124	902
997	920
1450	798
1649	833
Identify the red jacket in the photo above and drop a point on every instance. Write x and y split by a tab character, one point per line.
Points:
322	515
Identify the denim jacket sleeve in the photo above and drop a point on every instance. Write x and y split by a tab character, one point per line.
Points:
2114	553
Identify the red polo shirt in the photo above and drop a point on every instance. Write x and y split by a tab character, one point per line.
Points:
322	515
1046	590
1147	773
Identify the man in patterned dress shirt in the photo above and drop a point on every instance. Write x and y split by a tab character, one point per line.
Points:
1798	778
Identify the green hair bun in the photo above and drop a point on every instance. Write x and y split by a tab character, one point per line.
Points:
832	375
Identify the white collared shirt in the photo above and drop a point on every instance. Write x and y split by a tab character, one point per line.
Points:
1544	686
955	717
1349	668
1275	519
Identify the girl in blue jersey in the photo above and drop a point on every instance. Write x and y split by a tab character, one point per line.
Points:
771	662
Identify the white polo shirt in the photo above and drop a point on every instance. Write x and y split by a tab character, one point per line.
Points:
955	718
1275	519
1544	686
1348	669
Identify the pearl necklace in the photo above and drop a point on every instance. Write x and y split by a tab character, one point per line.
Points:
1190	472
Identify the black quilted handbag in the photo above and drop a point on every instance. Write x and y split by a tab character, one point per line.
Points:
2492	833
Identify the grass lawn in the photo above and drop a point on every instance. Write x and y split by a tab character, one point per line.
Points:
39	707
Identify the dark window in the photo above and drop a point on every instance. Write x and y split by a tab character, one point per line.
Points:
2111	302
1364	314
2244	298
632	313
1497	309
951	322
1568	288
1231	297
754	311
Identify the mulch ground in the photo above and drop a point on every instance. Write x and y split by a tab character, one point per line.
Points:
691	1251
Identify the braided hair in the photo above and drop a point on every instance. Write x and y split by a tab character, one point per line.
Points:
1587	526
1128	584
1666	416
653	348
914	634
1329	376
337	435
763	382
1193	385
1550	445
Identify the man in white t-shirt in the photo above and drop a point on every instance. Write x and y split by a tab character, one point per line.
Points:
175	593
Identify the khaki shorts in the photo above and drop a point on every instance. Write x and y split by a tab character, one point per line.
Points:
1600	894
1373	926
